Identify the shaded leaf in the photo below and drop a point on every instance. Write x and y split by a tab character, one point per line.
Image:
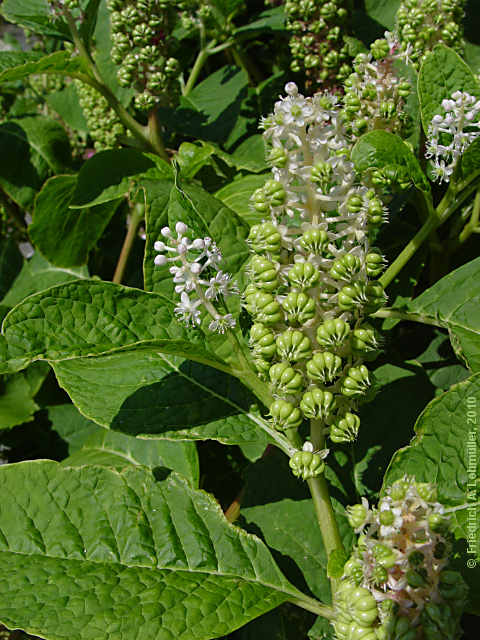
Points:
236	195
16	65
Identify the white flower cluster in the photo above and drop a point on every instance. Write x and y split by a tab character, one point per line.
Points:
191	260
449	134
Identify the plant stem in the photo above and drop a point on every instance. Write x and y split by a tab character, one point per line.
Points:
410	317
245	62
314	606
96	81
321	499
472	224
135	219
197	67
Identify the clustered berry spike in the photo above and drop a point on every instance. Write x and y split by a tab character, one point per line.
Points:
197	277
421	24
312	272
318	44
103	124
374	93
397	583
450	133
143	45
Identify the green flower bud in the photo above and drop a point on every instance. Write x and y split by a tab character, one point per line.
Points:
398	490
356	381
324	367
345	429
275	193
353	568
293	346
264	273
285	415
357	515
346	267
278	157
380	49
286	379
318	404
315	241
333	332
264	308
364	339
426	491
384	555
300	307
374	264
265	237
416	578
306	464
262	342
303	275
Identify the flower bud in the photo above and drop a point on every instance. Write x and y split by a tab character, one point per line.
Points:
300	308
293	346
285	415
324	367
317	404
332	333
286	379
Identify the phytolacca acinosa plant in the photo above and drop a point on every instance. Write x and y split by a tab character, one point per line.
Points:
313	274
397	583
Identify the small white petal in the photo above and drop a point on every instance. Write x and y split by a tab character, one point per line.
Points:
160	261
166	233
181	228
159	246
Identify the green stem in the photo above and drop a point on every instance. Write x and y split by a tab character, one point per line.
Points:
96	81
201	58
410	317
245	62
472	224
314	606
135	219
154	135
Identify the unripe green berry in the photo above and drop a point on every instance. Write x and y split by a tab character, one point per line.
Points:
346	267
264	273
306	464
303	275
380	49
265	237
354	569
426	491
321	174
374	264
285	415
356	381
416	578
278	157
375	297
275	193
364	339
332	333
324	367
345	429
357	515
438	523
314	241
285	379
318	404
384	555
299	307
264	308
398	490
293	345
262	341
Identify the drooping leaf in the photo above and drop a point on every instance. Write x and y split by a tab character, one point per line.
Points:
90	317
453	301
109	175
91	444
66	236
442	73
250	155
38	274
17	65
386	151
156	558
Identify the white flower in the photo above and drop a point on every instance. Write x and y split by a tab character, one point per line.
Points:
220	284
187	310
222	323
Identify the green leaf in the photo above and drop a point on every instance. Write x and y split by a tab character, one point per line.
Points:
109	175
387	151
90	317
291	528
192	157
321	630
16	65
34	15
453	302
91	444
250	155
38	274
10	263
442	73
155	558
445	451
66	236
32	148
236	195
270	20
66	104
383	11
469	163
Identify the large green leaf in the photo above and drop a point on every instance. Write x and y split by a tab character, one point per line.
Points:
34	15
88	551
445	451
91	444
65	103
383	11
454	303
10	263
155	395
442	73
38	274
90	317
386	151
16	65
291	527
236	195
65	236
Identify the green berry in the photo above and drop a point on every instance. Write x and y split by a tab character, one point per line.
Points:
324	367
345	429
262	341
285	415
265	238
356	381
264	273
286	379
357	515
293	345
306	464
364	339
300	308
264	308
346	267
314	241
374	264
303	275
332	333
318	404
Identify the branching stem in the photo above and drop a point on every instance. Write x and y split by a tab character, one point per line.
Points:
135	219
